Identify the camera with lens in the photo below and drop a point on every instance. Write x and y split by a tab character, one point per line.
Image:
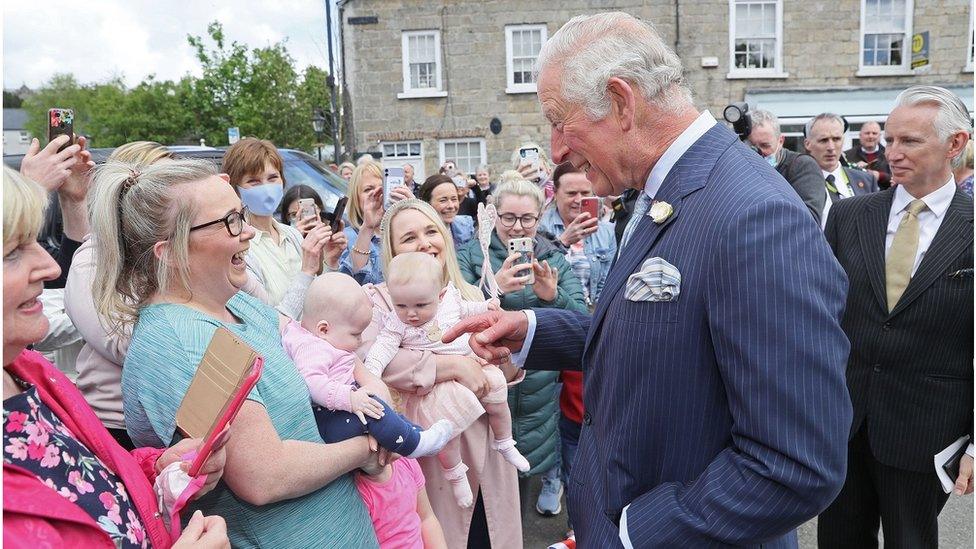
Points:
738	115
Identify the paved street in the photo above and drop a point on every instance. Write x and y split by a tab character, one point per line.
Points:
955	531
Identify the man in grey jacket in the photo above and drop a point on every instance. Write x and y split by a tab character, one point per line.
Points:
800	170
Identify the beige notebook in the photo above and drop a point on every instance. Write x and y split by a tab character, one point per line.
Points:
222	371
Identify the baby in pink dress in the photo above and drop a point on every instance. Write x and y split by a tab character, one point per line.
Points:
423	308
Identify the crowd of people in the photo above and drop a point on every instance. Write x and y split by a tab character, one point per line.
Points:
417	371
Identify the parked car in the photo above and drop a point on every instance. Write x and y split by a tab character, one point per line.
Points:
300	168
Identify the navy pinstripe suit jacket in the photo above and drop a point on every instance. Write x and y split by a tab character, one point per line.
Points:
721	418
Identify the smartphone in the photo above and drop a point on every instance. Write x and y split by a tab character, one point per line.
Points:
61	122
524	247
336	215
591	205
306	208
531	154
392	178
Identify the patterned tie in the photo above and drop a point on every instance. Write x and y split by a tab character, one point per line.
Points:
640	208
901	256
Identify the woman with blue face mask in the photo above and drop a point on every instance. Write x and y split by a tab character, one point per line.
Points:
279	257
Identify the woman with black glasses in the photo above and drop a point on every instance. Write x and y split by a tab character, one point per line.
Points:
535	410
173	265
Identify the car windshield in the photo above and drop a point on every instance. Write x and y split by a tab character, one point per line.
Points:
299	171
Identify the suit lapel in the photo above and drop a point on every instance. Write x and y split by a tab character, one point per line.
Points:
952	238
687	176
871	229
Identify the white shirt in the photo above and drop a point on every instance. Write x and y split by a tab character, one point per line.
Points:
659	172
840	181
929	219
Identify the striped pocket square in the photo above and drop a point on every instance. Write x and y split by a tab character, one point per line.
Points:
657	280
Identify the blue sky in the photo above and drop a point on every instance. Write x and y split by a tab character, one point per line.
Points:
98	39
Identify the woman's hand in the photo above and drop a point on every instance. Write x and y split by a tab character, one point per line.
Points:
203	533
468	372
400	192
48	167
580	228
213	468
546	281
511	277
306	225
312	247
334	246
373	209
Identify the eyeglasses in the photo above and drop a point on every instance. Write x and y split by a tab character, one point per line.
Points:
234	221
528	220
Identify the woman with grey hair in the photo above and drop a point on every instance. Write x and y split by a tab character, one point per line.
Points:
171	260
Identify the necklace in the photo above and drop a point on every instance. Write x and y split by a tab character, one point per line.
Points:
434	332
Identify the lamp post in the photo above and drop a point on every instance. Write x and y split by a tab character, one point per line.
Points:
318	126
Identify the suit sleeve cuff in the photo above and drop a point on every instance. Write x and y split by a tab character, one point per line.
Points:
519	358
624	536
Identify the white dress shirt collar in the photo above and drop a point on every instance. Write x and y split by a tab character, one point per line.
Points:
838	173
663	166
937	201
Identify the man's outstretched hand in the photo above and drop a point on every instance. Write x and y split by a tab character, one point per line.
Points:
495	334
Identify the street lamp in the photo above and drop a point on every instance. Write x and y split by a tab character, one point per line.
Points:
318	126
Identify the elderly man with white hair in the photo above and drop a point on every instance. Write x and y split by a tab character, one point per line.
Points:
716	411
908	252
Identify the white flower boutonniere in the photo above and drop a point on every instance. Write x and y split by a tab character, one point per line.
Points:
660	212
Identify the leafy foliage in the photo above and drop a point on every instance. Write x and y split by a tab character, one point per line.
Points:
257	90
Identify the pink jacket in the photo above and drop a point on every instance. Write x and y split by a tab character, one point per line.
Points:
328	371
413	373
34	515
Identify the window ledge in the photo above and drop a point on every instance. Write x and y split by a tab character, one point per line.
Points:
746	74
884	71
420	94
968	69
520	89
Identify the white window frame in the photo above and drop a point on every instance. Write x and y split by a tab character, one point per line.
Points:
969	40
906	56
409	92
417	161
511	86
24	137
775	72
480	140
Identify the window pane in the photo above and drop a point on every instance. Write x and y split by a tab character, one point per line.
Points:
415	149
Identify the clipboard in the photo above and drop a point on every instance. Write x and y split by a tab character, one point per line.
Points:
230	368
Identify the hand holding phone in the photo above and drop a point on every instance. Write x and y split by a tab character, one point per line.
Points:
61	122
306	209
335	218
392	178
530	156
524	248
591	205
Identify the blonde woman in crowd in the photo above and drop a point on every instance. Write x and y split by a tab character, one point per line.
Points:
414	226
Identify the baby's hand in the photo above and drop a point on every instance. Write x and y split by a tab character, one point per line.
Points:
363	405
494	304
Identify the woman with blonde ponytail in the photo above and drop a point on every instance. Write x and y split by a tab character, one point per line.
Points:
172	241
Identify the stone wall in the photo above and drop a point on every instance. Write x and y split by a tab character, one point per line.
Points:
821	48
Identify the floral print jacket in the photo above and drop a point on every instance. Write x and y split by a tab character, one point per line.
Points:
36	512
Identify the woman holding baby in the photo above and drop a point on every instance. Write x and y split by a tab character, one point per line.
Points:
414	226
172	262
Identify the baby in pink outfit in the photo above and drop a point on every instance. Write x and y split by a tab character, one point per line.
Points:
423	308
348	400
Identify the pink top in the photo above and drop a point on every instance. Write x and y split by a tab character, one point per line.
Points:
328	371
393	505
395	334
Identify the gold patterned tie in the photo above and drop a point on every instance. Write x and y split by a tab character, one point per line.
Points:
901	256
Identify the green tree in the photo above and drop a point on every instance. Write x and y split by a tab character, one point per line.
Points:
11	100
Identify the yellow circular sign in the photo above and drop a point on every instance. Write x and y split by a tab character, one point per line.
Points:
917	43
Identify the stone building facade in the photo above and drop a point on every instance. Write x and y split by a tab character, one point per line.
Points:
424	79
